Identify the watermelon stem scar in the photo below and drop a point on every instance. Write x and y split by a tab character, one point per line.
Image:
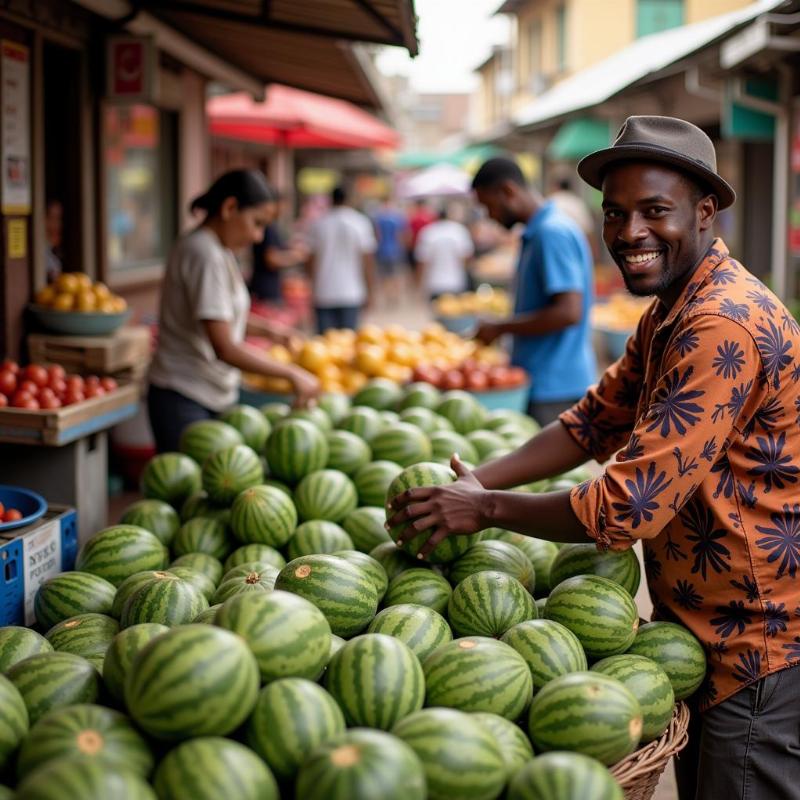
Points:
345	756
89	742
303	571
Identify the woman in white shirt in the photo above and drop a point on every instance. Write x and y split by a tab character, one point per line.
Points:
442	251
205	313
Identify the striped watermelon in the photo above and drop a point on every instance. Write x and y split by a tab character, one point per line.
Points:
486	443
422	418
649	684
254	552
392	559
203	535
564	776
129	587
121	653
365	526
278	485
362	764
403	444
166	600
494	555
275	411
263	515
194	680
378	393
347	452
514	744
345	595
325	494
460	757
202	438
87	635
53	680
85	730
211	768
207	617
84	777
376	680
228	472
478	674
245	569
598	611
676	651
373	481
198	505
422	587
585	559
443	424
294	449
419	627
586	712
69	594
117	552
289	636
13	720
363	421
419	395
255	582
199	580
488	604
291	718
155	516
445	443
17	643
500	417
370	567
335	405
316	416
549	649
251	424
541	602
463	411
317	536
337	643
171	477
540	552
202	562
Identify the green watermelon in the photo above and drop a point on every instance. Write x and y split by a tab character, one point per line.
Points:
347	452
378	393
445	443
392	559
199	580
365	526
87	635
202	562
337	643
194	680
326	494
422	587
171	477
494	555
258	582
363	421
130	586
203	535
588	713
316	416
228	472
295	448
263	515
540	552
344	593
514	744
598	611
402	444
463	411
564	776
17	643
461	758
676	650
155	516
419	395
207	617
53	680
478	674
488	604
335	404
243	570
373	481
199	505
166	600
370	566
498	418
211	768
69	594
85	730
585	559
254	552
275	411
202	438
121	653
117	552
251	424
486	443
13	720
376	680
419	627
289	636
291	718
317	536
549	649
541	602
423	418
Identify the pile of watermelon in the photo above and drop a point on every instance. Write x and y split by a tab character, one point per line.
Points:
250	630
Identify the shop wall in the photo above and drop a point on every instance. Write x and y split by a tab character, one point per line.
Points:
698	10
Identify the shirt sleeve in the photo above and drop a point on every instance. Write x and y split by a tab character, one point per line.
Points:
709	388
562	262
367	240
209	287
421	251
467	247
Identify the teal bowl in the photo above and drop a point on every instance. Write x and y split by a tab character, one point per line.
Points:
464	325
80	323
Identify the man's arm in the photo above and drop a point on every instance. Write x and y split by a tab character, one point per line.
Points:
368	264
563	310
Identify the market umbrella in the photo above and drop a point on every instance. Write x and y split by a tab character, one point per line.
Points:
439	180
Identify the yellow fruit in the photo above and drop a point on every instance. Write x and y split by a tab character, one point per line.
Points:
313	356
330	372
67	283
85	301
64	302
354	380
332	386
45	297
395	333
120	303
101	291
370	334
106	306
370	358
83	280
402	354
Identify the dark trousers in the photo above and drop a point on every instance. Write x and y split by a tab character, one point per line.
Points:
748	746
545	413
170	412
338	317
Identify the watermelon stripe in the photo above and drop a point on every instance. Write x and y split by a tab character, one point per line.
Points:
557	775
263	515
421	628
18	643
294	449
70	594
120	551
13	719
419	586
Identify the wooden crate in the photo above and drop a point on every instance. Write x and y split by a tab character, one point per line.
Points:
63	425
128	348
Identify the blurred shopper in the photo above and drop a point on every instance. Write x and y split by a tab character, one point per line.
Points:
341	264
54	238
550	326
419	215
575	207
390	227
442	251
204	313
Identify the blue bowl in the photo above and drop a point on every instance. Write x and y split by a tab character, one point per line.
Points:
462	325
31	505
80	323
515	399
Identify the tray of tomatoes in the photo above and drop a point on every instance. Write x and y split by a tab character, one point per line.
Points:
48	387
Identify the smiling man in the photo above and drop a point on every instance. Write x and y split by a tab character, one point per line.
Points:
702	414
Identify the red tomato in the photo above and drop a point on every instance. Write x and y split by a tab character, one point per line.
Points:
8	382
56	372
3	401
37	374
22	399
30	387
71	397
75	383
12	515
452	379
10	366
93	390
50	401
91	380
517	376
109	384
477	381
59	387
498	376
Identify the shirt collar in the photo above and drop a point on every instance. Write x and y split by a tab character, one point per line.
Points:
536	219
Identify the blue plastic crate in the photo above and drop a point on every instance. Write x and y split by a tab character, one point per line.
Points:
35	554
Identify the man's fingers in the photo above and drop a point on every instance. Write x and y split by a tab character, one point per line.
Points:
411	496
439	535
408	513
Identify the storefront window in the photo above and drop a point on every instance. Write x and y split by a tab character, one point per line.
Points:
140	186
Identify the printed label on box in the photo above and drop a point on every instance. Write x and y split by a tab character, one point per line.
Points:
42	555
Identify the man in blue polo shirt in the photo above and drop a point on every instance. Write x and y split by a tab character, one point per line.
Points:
550	325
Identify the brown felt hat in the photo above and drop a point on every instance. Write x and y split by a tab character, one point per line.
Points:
666	140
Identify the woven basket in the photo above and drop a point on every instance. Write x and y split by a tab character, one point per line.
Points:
639	773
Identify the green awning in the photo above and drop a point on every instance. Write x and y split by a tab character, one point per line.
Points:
579	137
466	157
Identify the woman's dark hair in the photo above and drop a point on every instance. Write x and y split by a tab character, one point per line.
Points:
247	186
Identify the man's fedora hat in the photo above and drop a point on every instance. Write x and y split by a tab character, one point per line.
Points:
666	140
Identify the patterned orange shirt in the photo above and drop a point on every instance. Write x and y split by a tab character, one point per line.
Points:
705	405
